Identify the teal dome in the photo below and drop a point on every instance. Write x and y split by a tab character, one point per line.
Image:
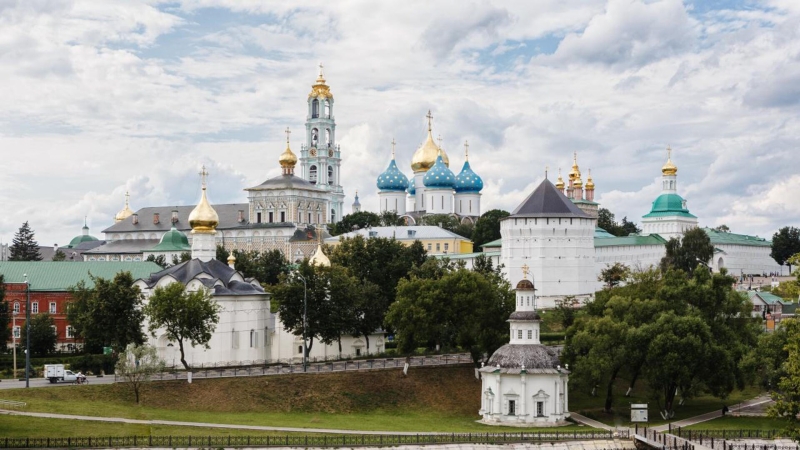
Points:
439	176
412	189
669	205
392	179
85	237
468	181
172	241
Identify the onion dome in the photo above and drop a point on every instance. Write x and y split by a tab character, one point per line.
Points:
575	172
125	212
203	218
468	181
319	89
578	183
425	156
529	356
560	182
669	168
392	179
287	159
439	176
172	241
355	201
590	182
231	261
83	237
412	189
525	285
319	258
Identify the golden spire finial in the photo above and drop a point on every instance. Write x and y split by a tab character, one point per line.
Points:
590	182
288	132
575	158
466	150
525	269
430	120
203	218
288	159
203	174
669	167
393	144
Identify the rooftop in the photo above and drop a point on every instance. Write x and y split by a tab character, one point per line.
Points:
401	233
60	276
723	238
547	201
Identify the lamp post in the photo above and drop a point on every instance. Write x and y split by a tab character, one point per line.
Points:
27	332
305	321
14	338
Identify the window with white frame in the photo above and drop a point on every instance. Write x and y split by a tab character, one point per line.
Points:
16	307
70	332
35	308
253	339
52	307
530	334
519	334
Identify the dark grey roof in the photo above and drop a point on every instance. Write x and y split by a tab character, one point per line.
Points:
131	246
547	201
72	254
532	356
286	182
524	315
228	219
216	270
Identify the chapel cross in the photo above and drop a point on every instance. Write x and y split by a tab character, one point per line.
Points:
288	132
393	144
203	175
440	140
430	118
525	269
127	197
669	152
466	150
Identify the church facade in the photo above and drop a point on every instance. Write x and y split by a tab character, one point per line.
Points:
284	212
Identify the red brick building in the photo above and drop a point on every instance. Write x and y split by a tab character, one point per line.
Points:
50	283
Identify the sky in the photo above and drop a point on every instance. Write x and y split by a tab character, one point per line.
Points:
100	97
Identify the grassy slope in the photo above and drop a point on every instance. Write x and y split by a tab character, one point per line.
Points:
740	423
429	399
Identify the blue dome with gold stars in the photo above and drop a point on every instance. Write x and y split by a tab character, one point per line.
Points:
392	179
412	190
439	176
468	181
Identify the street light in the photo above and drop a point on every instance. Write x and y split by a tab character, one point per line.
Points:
14	338
27	332
305	321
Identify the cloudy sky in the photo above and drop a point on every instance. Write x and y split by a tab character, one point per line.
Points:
102	96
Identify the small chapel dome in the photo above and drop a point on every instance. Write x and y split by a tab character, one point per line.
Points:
590	182
425	156
575	173
125	212
319	258
669	167
173	241
203	218
560	182
84	237
530	356
392	179
439	176
468	181
412	189
525	285
288	159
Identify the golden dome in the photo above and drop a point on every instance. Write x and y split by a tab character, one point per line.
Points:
288	159
320	89
669	168
575	173
590	182
578	183
125	212
425	156
203	218
319	258
560	182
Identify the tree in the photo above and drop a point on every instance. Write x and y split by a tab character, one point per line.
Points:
722	228
266	267
160	260
355	221
184	316
765	361
391	219
24	246
109	314
137	365
787	396
614	274
447	221
606	221
689	251
487	228
5	315
785	244
43	335
59	256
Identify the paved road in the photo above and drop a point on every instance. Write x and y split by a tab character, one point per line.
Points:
713	414
41	382
591	422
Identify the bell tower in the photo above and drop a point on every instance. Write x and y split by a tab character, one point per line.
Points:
320	156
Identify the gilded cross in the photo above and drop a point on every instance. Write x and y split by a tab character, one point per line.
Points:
320	69
127	197
430	119
393	144
525	270
466	150
669	152
288	132
440	140
203	175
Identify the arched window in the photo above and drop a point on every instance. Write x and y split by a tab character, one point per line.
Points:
312	174
328	137
315	108
330	175
314	137
16	307
327	109
333	216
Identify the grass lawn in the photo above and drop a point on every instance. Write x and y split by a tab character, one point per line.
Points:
593	406
740	423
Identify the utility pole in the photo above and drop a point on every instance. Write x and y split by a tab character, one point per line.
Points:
305	322
27	332
14	338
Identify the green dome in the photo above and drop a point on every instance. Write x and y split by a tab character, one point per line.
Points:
669	205
77	240
172	241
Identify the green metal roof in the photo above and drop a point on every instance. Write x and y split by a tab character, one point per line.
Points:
60	276
579	201
172	241
768	297
602	234
79	239
651	239
456	256
497	243
722	238
669	205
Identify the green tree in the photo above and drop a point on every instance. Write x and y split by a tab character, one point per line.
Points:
614	274
446	221
184	316
5	315
109	314
722	228
222	254
43	335
391	219
785	244
487	228
266	267
355	221
765	361
606	221
137	365
160	260
59	256
687	252
787	394
24	246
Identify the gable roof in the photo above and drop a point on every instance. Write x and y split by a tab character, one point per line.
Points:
547	201
61	276
214	271
228	219
723	238
286	182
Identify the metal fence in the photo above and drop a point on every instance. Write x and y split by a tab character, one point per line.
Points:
261	368
707	435
308	440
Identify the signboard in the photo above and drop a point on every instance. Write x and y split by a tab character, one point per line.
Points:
639	412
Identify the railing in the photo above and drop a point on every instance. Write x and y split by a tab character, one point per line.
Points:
699	435
262	368
307	440
658	440
12	404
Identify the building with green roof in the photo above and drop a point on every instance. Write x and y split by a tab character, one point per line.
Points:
172	244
